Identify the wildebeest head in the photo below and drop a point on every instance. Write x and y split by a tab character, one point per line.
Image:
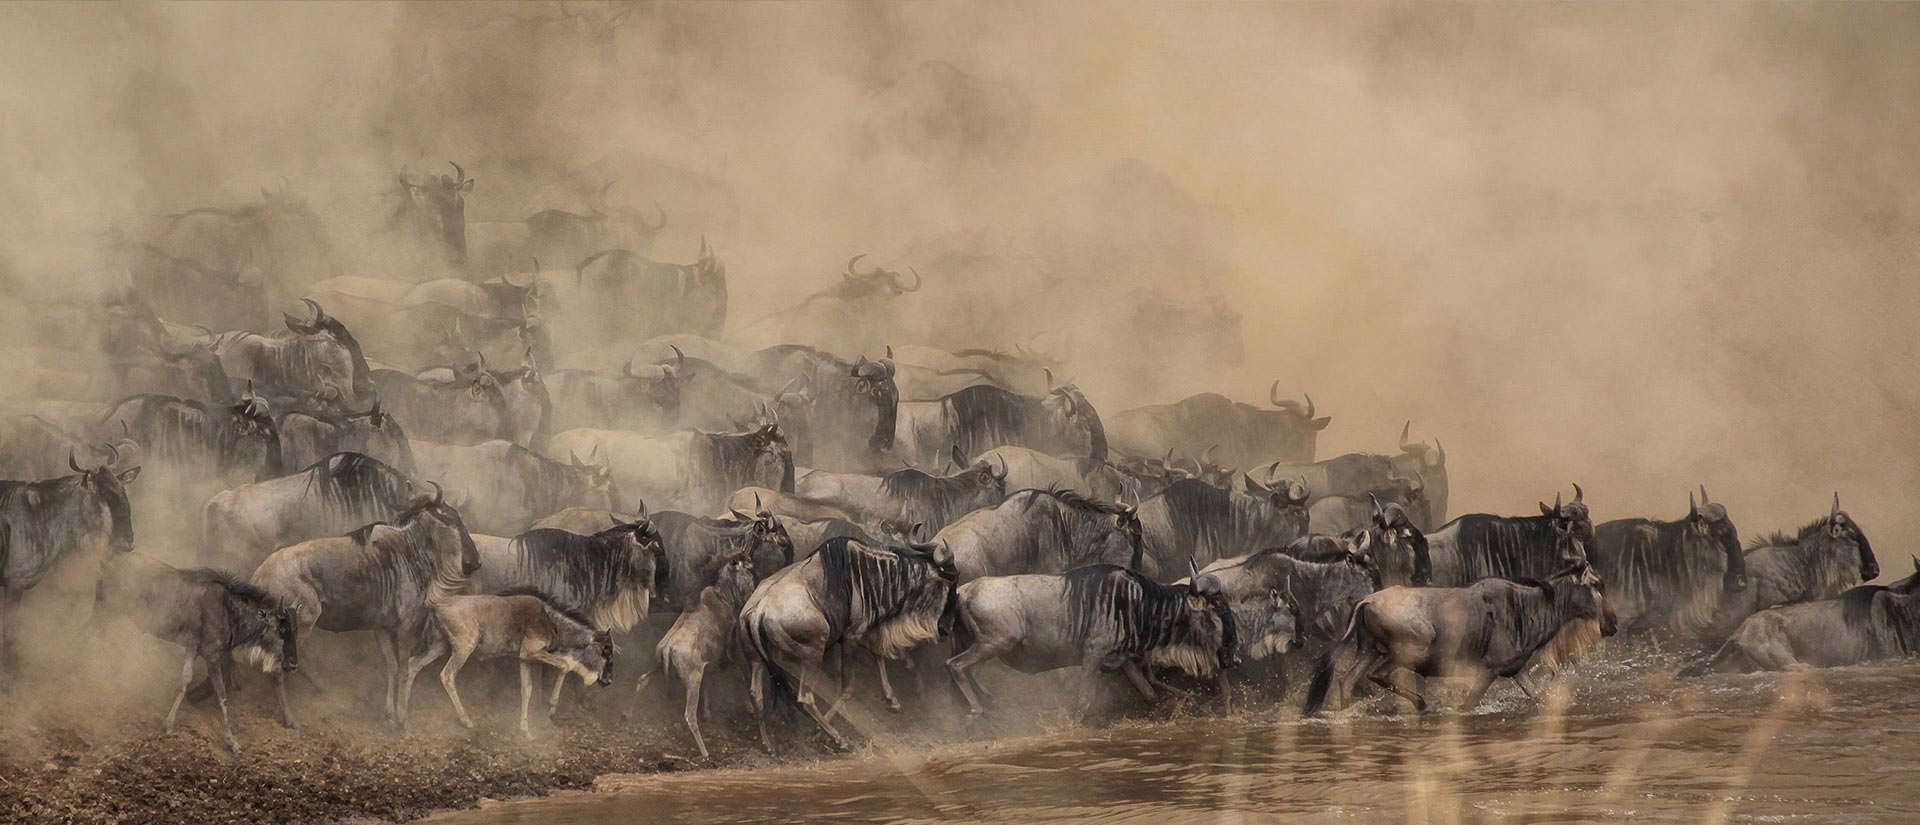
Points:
1288	500
339	368
1304	414
1209	611
1840	529
593	660
598	477
763	533
662	381
1211	472
735	581
875	380
1393	545
1572	514
1075	421
280	641
438	206
876	280
110	486
448	533
1708	525
1583	592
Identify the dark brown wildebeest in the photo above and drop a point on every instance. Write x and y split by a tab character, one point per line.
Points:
1669	576
1864	624
697	547
701	638
608	574
213	615
194	440
1821	561
1496	627
381	577
523	623
1102	618
434	210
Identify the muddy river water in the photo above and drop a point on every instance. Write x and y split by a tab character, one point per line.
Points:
1619	741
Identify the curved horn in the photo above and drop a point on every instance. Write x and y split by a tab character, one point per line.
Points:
1193	570
1309	415
1049	374
318	313
1693	508
1271	470
917	282
1579	496
1273	393
889	352
756	502
1403	434
1704	501
439	495
72	462
1206	455
1440	448
457	170
1002	475
679	358
1836	506
851	261
1556	502
1377	512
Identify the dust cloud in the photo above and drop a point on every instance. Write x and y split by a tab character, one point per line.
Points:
1637	246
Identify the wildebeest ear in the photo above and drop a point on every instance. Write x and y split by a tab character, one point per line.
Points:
128	475
467	186
1252	487
1547	511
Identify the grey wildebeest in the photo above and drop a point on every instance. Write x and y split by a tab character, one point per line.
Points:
1043	531
1668	576
702	637
850	408
317	359
621	291
695	470
380	578
306	436
1389	541
43	522
608	574
808	534
696	547
1478	546
559	235
982	417
433	210
1821	561
332	496
644	400
236	443
1496	627
212	615
1195	520
909	496
1323	577
506	486
1418	468
1863	624
755	499
469	404
1102	618
1124	480
523	623
886	600
1244	434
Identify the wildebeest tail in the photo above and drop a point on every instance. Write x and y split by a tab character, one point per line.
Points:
781	690
1323	675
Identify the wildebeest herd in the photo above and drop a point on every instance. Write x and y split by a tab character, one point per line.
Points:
571	466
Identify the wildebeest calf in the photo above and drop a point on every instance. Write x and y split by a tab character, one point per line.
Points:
701	637
522	622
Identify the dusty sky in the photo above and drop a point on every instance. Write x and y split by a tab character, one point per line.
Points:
1639	246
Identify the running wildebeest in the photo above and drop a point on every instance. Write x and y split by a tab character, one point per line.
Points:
506	486
691	469
524	623
909	496
317	359
238	443
42	522
213	615
1324	583
306	436
608	574
1243	433
855	286
434	211
702	637
381	577
1863	624
1195	520
332	496
1496	627
887	600
1102	618
1668	576
1478	546
697	547
1043	531
1821	561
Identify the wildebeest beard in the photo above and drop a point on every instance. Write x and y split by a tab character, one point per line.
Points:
881	591
734	460
266	643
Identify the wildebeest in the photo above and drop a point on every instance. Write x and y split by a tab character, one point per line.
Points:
213	615
1043	531
1323	586
1102	618
317	359
643	400
237	442
469	404
434	210
808	534
1125	480
1418	468
332	496
245	253
1497	627
1242	433
855	285
622	293
608	574
909	496
1393	544
702	637
32	446
559	235
696	547
982	417
691	469
1668	576
1195	520
1428	464
849	417
306	436
1478	546
506	486
886	600
524	623
1339	513
42	522
1821	561
1863	624
381	577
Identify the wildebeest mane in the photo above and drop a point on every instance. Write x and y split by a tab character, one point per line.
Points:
571	613
1075	501
593	571
866	586
1198	509
731	457
986	416
1138	612
1499	546
350	483
242	590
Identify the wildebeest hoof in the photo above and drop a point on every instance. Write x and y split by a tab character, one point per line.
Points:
893	705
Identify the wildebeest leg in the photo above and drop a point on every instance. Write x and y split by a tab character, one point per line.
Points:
390	651
1481	681
886	686
526	696
757	697
186	682
1525	680
286	709
1226	692
960	666
844	660
810	702
1383	675
415	664
218	671
693	707
9	625
1132	670
553	701
448	674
